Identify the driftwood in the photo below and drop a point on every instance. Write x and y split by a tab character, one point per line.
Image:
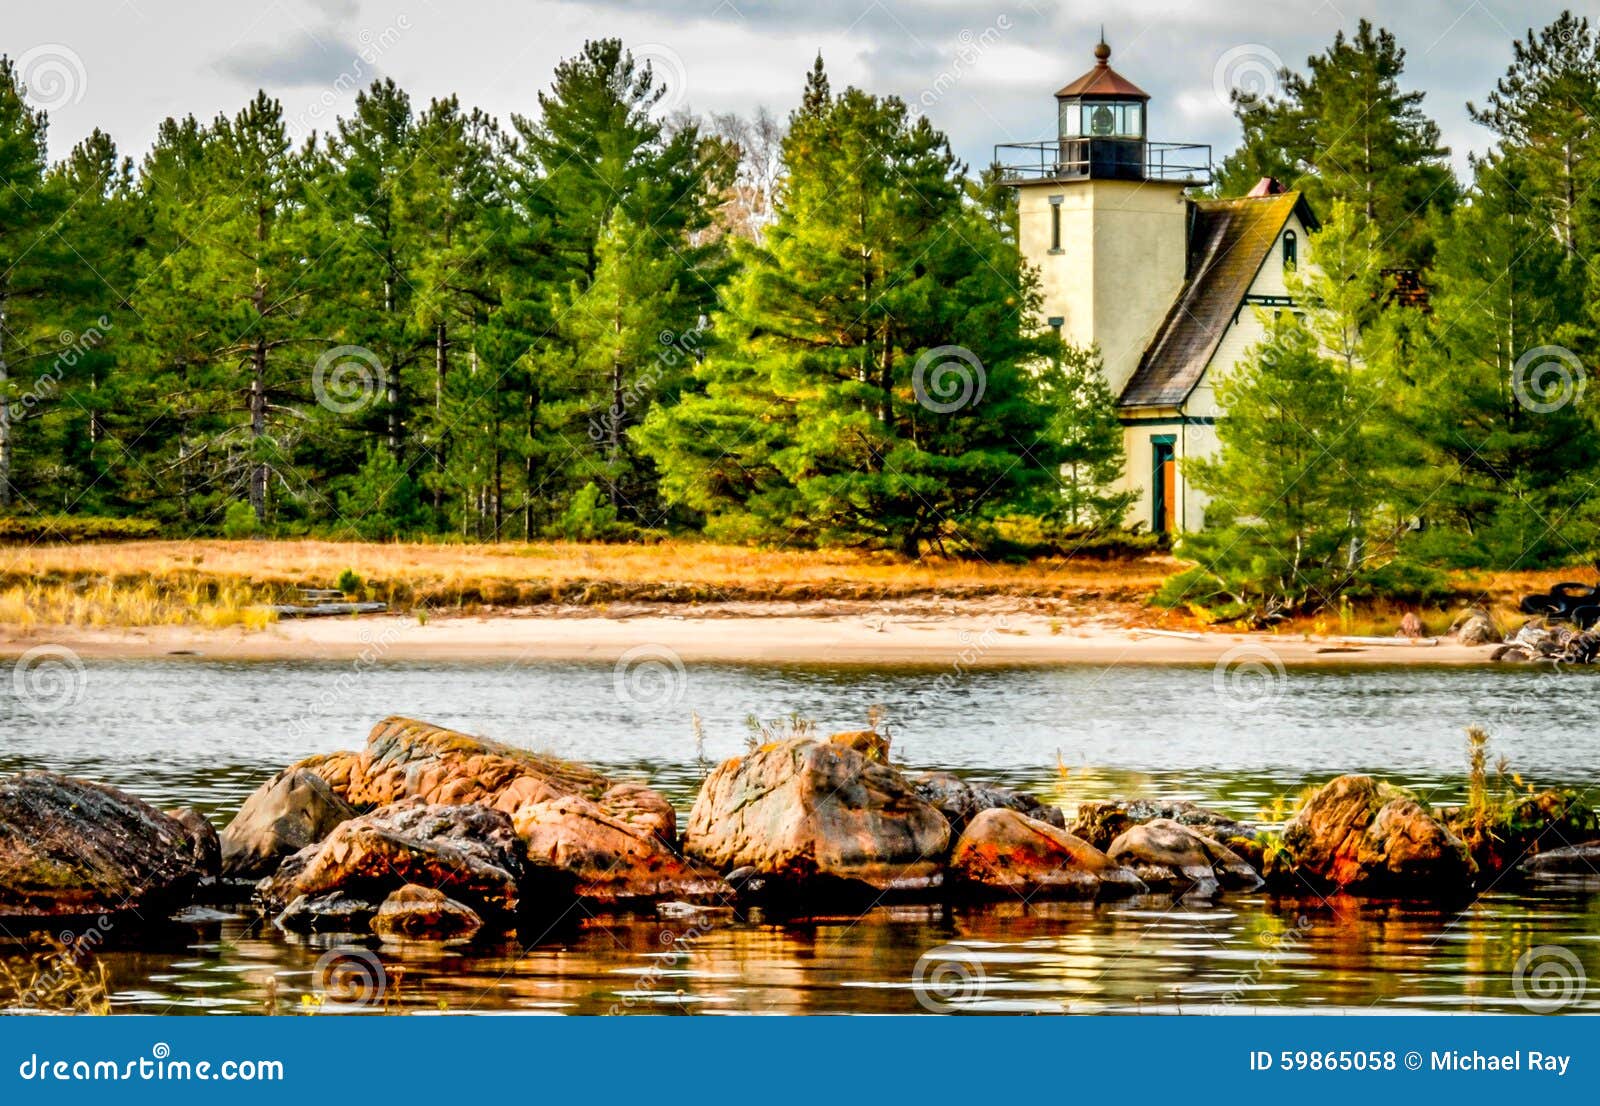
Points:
326	610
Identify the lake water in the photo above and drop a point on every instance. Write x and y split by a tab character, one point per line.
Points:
196	732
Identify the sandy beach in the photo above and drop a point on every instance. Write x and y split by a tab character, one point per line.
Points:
968	638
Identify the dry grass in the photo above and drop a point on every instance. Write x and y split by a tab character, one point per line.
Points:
224	583
227	582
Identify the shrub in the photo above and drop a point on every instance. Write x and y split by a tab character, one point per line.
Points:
240	521
74	530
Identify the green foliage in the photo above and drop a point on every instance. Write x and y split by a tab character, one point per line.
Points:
74	529
382	500
588	517
240	521
350	582
871	382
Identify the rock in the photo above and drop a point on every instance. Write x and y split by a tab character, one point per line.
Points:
797	810
296	808
422	913
1002	850
205	848
1360	835
1102	823
611	861
1410	626
1474	626
869	743
70	847
960	800
1572	860
1166	853
469	852
334	912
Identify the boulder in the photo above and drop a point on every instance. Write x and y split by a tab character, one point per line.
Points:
1002	850
619	837
1360	835
610	860
69	847
1572	860
469	852
1102	823
205	847
296	808
1169	854
798	810
960	801
1474	626
422	913
869	743
334	912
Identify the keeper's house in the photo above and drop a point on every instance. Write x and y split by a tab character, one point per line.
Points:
1163	284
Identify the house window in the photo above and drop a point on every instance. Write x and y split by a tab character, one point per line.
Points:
1055	224
1056	322
1291	250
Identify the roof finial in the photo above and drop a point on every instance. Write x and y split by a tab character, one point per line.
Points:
1102	52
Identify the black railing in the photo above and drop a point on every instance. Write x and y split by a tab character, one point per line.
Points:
1105	159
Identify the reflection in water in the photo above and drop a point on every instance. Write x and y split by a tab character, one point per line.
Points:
206	734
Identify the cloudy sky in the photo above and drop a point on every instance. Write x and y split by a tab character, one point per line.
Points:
982	71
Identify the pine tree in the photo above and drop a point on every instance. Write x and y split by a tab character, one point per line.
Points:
1084	421
870	381
1346	131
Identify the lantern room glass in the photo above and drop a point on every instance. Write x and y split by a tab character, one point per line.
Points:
1102	119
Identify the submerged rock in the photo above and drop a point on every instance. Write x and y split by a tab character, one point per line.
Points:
71	847
1102	823
422	913
1169	854
1360	835
296	808
469	852
1572	860
960	801
1005	851
798	810
333	912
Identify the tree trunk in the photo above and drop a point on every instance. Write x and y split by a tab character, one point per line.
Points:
393	397
258	426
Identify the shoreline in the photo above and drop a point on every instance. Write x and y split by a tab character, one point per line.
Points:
974	638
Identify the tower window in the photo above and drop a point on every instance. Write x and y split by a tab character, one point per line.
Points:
1291	250
1055	224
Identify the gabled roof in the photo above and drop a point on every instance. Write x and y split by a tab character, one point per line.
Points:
1228	242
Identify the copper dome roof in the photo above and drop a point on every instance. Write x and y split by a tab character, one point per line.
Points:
1103	80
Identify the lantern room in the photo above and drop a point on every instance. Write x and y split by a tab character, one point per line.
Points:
1102	119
